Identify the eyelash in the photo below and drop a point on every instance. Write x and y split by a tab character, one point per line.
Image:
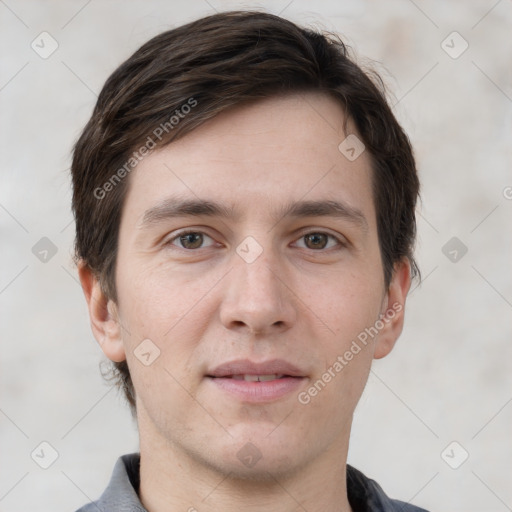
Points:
339	242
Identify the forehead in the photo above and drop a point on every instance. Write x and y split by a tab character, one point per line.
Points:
256	157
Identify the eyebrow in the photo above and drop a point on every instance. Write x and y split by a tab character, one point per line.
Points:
175	207
327	208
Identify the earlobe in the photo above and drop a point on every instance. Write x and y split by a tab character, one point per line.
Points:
103	315
392	315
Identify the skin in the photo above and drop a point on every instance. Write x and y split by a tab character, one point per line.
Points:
203	306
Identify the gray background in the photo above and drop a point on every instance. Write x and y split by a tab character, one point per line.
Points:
449	377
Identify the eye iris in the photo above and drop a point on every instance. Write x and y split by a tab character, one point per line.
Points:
191	240
316	240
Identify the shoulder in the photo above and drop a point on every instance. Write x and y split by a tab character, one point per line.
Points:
366	495
121	493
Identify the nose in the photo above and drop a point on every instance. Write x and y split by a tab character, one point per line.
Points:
257	299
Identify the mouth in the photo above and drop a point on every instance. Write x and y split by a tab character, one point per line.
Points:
256	378
257	382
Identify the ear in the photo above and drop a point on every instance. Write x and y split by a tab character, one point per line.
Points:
393	309
103	314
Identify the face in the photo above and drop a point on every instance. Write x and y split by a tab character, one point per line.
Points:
248	269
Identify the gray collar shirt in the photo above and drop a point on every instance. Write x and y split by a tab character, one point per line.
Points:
364	495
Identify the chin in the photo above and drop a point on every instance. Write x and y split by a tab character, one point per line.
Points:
258	454
265	467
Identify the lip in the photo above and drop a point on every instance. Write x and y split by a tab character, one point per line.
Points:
247	367
257	392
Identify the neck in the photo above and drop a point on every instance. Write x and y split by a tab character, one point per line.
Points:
172	480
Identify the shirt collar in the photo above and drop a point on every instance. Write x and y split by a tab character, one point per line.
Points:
121	494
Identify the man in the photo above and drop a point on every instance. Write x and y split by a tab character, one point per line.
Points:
244	201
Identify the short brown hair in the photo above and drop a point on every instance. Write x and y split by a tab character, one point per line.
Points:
211	65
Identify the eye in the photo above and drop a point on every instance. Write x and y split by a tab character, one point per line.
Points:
191	240
318	241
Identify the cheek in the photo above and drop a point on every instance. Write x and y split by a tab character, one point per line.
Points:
347	308
345	303
157	301
172	311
